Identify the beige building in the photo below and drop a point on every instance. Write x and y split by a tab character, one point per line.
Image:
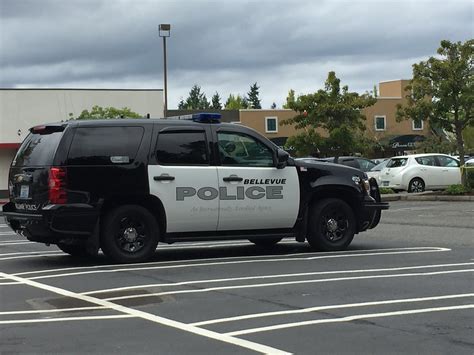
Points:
381	122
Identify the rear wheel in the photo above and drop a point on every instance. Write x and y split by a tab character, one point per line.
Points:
79	251
268	242
332	226
129	234
416	185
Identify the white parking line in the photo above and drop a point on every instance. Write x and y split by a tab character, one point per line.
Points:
348	319
272	284
15	242
151	317
7	233
261	260
198	262
64	319
56	310
28	253
259	277
324	308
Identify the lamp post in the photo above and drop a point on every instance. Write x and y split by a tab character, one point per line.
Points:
164	31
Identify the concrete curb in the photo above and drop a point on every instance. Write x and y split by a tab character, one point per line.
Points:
420	197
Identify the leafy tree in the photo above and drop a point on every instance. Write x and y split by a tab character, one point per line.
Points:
98	112
216	102
334	109
442	91
235	102
435	144
273	106
253	100
306	143
289	99
196	100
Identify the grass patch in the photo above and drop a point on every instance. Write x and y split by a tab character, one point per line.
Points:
457	190
386	190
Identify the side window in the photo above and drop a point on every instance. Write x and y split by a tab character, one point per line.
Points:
182	148
447	161
426	161
241	149
105	145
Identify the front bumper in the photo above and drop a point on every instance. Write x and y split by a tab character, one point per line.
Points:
53	223
373	205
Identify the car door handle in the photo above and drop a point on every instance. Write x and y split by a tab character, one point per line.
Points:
232	178
163	178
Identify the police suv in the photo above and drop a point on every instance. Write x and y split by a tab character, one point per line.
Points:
125	185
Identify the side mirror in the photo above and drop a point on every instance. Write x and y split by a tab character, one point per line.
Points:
282	158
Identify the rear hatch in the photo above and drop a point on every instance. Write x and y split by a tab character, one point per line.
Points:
392	170
29	176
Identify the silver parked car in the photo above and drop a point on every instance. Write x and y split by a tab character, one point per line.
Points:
420	172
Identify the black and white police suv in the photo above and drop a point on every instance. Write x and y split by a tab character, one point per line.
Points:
125	185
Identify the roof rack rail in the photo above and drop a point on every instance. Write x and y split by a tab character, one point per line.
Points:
204	117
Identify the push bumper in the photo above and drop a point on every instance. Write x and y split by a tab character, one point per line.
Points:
53	223
373	205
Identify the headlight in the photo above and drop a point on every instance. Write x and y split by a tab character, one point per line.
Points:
363	182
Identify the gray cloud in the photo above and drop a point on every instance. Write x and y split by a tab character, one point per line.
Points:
222	45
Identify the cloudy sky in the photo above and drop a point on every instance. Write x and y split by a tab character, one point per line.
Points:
223	46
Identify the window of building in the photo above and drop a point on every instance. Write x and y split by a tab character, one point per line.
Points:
105	145
380	124
243	150
417	125
182	148
271	124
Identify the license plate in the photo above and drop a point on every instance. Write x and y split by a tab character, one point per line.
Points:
385	183
24	191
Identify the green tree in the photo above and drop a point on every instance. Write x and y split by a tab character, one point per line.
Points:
98	112
273	106
435	144
253	100
306	143
235	102
442	91
335	110
196	100
289	99
216	102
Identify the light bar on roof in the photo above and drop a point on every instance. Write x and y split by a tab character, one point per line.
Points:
200	117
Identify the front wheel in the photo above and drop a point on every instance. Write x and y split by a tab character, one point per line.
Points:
129	234
332	226
416	185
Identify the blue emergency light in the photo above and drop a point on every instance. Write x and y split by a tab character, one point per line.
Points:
205	117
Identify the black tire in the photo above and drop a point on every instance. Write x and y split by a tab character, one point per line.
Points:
129	234
416	185
332	226
268	242
79	251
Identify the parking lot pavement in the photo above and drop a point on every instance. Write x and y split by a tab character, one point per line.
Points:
405	287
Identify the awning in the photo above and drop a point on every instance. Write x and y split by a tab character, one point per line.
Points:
406	141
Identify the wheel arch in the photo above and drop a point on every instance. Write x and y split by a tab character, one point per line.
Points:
150	202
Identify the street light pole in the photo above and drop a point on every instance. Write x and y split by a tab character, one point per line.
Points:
164	31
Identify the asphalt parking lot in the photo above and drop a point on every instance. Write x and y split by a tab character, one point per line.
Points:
405	287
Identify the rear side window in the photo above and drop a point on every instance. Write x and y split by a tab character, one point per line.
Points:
182	148
447	161
350	162
397	163
426	161
38	149
105	145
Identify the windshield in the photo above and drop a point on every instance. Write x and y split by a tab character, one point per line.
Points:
397	162
37	149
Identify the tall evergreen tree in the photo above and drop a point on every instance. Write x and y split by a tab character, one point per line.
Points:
235	102
273	106
253	100
289	99
216	102
196	100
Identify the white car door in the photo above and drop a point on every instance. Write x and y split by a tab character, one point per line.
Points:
428	171
254	194
450	172
182	178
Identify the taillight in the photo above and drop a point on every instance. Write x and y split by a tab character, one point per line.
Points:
57	185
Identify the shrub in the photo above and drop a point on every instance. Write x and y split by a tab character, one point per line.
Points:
457	190
386	190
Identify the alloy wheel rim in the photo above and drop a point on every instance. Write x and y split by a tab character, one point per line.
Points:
131	236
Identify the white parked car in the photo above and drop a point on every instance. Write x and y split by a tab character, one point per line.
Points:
420	172
375	171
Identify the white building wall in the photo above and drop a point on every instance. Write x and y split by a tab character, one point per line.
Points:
21	109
